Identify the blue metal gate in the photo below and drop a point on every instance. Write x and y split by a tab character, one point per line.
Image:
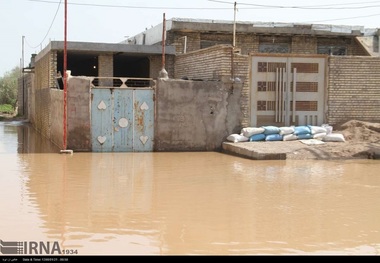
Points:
122	119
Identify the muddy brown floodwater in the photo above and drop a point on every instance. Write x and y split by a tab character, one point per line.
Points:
202	203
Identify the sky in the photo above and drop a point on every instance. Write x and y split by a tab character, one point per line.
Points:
27	26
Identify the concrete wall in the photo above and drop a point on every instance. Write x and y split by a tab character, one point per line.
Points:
215	63
42	111
79	114
353	89
195	115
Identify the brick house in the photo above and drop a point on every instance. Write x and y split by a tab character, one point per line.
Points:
336	65
263	74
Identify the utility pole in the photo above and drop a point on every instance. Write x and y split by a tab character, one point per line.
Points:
233	46
22	75
234	31
65	86
163	73
65	81
22	60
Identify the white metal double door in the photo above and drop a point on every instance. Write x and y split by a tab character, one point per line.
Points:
287	90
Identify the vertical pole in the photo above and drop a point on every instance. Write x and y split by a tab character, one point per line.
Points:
23	77
163	73
234	30
163	41
65	81
233	47
22	61
294	94
276	95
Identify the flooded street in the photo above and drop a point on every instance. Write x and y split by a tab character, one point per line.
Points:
203	203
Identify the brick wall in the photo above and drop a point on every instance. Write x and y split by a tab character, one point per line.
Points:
44	79
42	111
32	99
209	63
241	71
304	45
42	71
193	41
21	96
353	89
156	65
105	66
56	117
46	102
249	43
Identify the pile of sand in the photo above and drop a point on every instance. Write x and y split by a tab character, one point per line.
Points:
360	131
362	141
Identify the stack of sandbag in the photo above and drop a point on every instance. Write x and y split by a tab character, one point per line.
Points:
264	133
291	133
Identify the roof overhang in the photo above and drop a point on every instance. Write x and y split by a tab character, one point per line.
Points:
106	48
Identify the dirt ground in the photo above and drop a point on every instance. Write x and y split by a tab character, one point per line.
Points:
362	142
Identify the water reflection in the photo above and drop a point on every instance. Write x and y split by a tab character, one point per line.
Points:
191	203
21	137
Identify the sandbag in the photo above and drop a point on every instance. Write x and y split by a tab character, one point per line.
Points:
286	130
317	129
328	128
271	130
305	136
273	137
320	135
289	137
257	137
334	137
237	138
249	131
301	130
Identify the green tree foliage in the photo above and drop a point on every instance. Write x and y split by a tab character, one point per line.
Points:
8	87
